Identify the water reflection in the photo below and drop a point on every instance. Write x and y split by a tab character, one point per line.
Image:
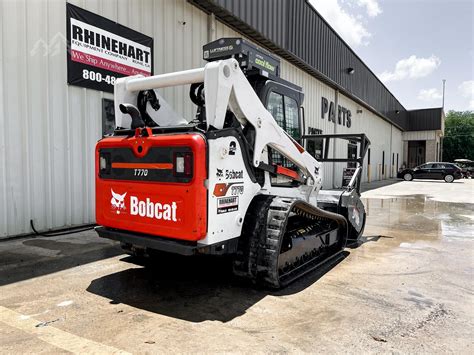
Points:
422	217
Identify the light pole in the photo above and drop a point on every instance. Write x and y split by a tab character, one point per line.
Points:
444	86
441	137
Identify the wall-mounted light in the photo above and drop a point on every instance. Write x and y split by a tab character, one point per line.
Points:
397	112
359	110
350	71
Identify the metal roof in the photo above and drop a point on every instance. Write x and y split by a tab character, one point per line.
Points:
294	30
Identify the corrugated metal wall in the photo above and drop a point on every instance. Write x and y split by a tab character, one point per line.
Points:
426	119
397	149
381	134
48	129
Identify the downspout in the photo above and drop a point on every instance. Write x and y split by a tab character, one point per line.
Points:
211	27
391	152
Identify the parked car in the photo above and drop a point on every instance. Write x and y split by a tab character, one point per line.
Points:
436	171
467	167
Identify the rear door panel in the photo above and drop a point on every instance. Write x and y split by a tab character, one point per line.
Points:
138	189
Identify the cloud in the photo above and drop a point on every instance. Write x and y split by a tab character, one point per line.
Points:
429	94
411	68
467	90
372	7
348	26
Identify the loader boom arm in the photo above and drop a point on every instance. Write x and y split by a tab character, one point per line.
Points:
227	87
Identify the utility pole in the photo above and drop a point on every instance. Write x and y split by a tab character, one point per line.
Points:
444	86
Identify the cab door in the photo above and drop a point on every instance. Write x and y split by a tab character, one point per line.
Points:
284	103
285	111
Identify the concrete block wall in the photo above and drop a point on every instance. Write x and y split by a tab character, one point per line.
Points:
431	150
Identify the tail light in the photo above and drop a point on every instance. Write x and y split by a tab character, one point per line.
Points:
183	164
104	163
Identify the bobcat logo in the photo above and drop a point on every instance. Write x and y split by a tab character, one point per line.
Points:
117	201
220	173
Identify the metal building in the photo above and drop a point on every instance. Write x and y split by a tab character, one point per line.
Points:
48	128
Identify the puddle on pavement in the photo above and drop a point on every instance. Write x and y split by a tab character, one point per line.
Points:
418	217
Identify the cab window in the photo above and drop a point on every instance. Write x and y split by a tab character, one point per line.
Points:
284	110
275	107
292	122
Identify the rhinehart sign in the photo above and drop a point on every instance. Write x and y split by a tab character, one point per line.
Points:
100	50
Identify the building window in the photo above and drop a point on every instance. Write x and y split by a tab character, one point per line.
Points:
315	146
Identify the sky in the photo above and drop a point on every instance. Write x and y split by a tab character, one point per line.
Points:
412	45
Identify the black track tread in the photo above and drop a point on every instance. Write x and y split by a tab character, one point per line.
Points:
259	246
244	264
270	245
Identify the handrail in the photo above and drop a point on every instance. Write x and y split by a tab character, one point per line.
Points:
359	138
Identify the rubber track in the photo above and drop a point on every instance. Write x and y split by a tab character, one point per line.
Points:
245	261
259	246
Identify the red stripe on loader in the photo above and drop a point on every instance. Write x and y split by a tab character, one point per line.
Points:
287	172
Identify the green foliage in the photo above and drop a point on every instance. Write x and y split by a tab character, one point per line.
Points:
458	140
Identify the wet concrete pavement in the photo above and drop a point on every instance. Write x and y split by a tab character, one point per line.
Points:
408	287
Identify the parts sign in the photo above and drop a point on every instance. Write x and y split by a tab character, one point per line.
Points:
100	51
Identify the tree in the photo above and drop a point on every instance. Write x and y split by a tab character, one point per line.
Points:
458	142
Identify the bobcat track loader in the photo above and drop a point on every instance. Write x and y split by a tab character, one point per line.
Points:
236	179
